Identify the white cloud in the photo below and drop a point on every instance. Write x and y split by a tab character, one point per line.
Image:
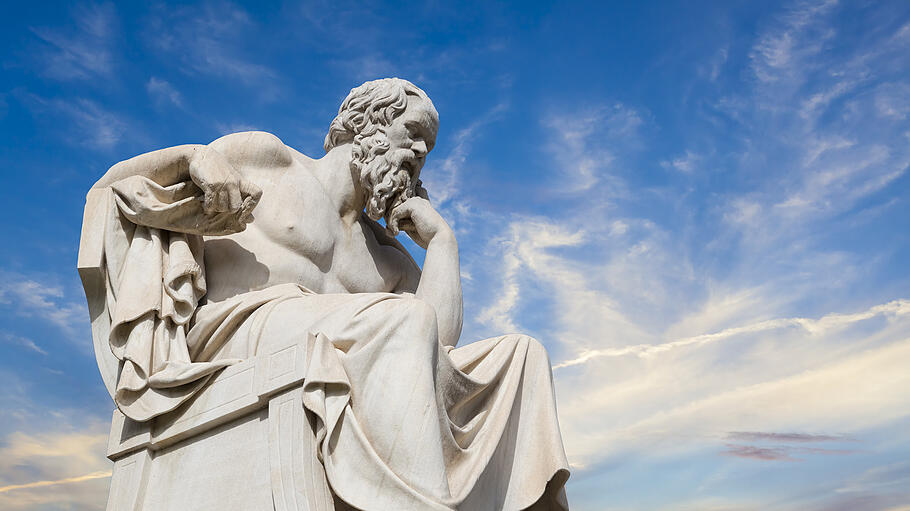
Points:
213	39
522	248
823	124
22	341
658	349
892	100
686	163
647	356
39	484
703	398
54	468
162	90
799	35
442	178
51	456
31	298
814	327
234	127
84	122
585	146
84	53
883	477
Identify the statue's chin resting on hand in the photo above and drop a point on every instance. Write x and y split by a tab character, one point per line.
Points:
261	246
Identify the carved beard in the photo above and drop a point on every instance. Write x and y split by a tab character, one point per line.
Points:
384	177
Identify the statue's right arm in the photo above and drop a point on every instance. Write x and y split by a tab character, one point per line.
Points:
165	166
224	189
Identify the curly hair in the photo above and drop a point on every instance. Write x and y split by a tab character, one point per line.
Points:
368	108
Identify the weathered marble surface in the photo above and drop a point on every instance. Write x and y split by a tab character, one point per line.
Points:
248	255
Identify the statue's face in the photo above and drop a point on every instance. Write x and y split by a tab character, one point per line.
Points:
390	160
412	135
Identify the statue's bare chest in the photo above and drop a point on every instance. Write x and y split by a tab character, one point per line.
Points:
297	236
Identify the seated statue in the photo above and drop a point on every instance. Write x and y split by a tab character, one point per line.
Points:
219	252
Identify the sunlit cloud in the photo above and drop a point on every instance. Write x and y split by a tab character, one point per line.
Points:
40	484
707	237
60	466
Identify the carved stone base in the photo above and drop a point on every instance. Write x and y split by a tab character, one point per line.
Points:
244	442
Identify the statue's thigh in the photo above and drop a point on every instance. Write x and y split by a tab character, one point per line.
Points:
291	321
349	321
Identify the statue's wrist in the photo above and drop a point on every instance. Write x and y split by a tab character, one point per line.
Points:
444	235
194	161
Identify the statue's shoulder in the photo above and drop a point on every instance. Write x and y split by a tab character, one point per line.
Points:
254	148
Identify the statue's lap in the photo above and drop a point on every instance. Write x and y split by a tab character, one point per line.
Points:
348	320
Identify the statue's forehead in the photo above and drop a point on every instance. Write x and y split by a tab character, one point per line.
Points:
422	110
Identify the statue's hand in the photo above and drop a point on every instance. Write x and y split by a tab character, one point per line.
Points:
224	189
417	217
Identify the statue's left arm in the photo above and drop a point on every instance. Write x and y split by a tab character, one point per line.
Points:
440	280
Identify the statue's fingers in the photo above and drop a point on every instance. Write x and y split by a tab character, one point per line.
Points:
246	210
222	203
392	222
208	200
248	189
392	226
216	201
235	201
402	211
408	227
224	198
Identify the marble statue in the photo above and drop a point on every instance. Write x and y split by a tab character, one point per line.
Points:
207	263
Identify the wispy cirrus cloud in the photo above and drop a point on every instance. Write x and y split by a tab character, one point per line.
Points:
759	453
234	127
892	476
586	143
786	446
212	39
22	341
442	177
751	436
33	298
163	92
524	246
799	33
820	327
62	467
82	121
829	117
84	50
101	474
685	163
660	352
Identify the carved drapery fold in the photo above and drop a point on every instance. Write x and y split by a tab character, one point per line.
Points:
155	278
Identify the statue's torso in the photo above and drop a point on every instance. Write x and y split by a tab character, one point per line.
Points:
297	236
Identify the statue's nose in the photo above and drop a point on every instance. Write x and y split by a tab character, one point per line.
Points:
419	147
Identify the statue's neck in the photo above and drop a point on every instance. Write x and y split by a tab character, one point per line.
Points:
341	184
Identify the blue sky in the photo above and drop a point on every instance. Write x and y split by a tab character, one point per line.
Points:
700	208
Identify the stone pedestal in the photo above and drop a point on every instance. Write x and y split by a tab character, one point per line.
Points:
244	442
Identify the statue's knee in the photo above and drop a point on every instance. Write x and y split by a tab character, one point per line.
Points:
419	314
535	348
407	312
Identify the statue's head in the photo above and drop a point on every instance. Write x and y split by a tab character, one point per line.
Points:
391	125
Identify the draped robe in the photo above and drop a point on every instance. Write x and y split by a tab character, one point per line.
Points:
476	426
